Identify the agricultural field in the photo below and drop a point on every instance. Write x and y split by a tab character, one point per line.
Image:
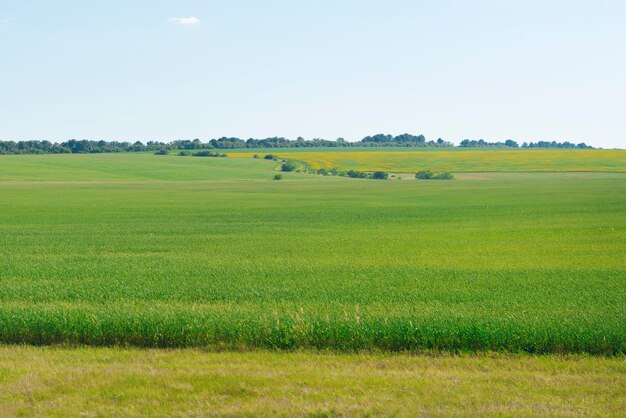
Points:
452	159
312	209
140	284
168	251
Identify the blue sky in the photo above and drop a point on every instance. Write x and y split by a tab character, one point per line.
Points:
164	70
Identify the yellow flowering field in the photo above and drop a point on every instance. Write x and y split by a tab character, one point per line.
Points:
473	160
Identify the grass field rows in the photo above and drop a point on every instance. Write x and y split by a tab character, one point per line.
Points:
166	251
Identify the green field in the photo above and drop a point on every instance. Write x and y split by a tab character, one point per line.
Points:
168	251
130	382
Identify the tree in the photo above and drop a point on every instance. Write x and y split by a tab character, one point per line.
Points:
424	175
208	154
429	175
444	176
289	166
356	174
404	140
380	175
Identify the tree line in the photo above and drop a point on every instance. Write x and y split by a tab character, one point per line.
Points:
509	143
84	146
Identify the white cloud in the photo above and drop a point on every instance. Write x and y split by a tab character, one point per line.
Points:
9	20
191	20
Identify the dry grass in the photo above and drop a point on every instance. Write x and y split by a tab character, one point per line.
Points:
131	382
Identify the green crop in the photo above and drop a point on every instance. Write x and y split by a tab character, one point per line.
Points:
165	251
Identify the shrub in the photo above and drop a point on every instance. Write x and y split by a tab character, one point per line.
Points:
203	154
288	166
184	153
332	172
429	175
208	154
162	152
336	172
356	174
269	157
278	176
255	156
380	175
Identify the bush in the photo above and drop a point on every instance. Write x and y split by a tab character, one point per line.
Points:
278	176
269	157
429	175
380	175
203	154
289	166
208	154
184	153
356	174
336	172
162	152
332	172
255	156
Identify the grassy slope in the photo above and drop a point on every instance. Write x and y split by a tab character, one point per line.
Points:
114	382
117	252
455	160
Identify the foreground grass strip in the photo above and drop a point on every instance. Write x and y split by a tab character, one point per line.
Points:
130	382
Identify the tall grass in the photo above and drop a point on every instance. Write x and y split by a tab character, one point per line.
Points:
271	326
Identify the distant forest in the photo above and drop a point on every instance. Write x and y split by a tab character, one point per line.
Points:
74	146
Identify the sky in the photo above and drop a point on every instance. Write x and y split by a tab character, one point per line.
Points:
163	70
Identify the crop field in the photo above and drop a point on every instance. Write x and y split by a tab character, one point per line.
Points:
168	251
455	160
